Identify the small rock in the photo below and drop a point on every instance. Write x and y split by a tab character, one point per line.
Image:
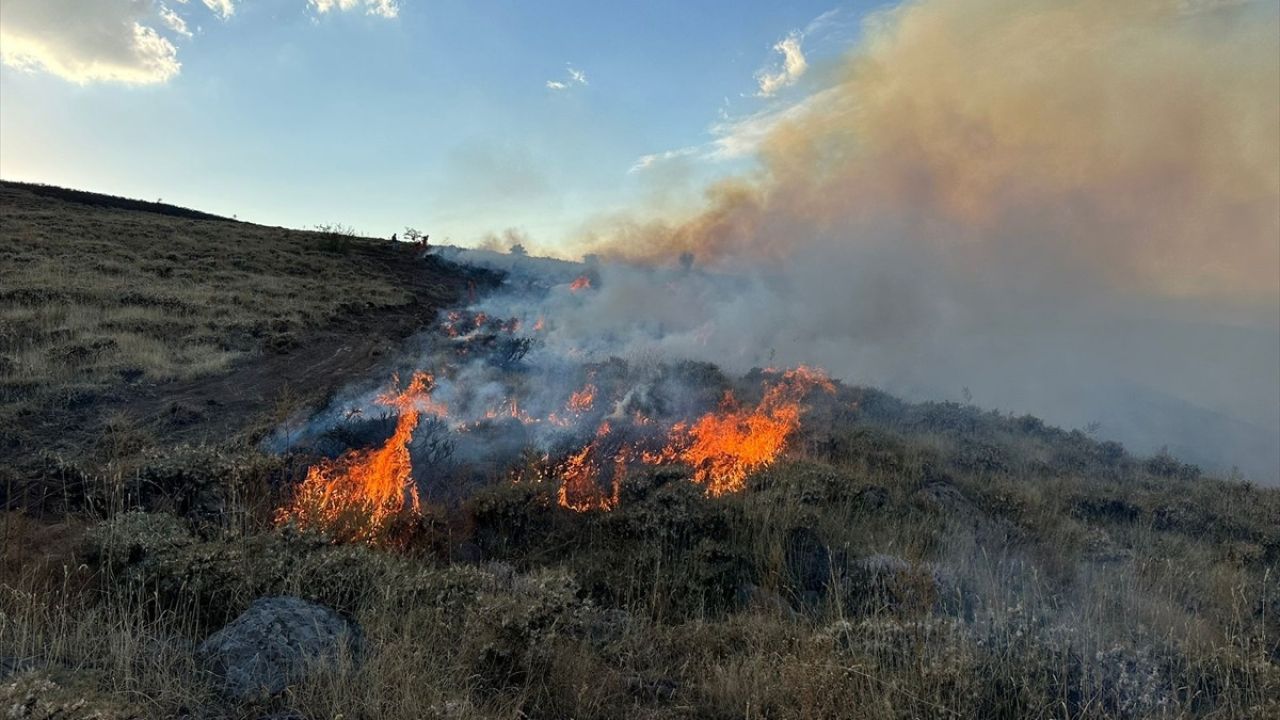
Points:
273	644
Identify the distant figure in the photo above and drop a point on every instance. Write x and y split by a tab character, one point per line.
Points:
393	237
426	243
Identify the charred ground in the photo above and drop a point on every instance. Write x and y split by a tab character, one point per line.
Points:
901	560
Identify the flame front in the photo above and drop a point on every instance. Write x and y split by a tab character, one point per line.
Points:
582	400
359	493
723	447
581	283
580	475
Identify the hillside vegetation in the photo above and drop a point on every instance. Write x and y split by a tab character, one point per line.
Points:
122	316
902	561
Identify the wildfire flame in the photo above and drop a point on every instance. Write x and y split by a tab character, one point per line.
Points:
580	473
725	446
581	283
359	493
582	400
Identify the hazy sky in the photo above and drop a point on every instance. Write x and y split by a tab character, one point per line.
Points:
458	117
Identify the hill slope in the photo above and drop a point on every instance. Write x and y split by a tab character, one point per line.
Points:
178	325
895	561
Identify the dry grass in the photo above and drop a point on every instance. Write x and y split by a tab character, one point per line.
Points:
113	309
92	294
614	615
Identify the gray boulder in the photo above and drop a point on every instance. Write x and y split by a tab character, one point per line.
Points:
274	643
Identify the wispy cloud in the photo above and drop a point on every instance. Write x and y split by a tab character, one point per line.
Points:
793	65
573	76
736	138
741	137
647	161
224	8
174	21
381	8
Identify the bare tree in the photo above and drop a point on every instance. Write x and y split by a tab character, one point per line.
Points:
414	235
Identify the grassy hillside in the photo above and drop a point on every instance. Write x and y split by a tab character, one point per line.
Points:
902	561
160	322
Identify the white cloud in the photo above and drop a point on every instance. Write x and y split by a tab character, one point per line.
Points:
225	8
174	21
793	66
102	41
647	161
121	41
733	138
742	136
381	8
574	76
737	138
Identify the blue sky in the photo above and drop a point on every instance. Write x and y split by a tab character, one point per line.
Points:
459	118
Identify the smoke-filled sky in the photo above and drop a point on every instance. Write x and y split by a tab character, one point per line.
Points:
1067	207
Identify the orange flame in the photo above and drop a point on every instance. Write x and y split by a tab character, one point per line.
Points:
582	283
579	476
358	494
582	400
724	446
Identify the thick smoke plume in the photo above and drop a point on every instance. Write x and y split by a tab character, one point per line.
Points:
1067	208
